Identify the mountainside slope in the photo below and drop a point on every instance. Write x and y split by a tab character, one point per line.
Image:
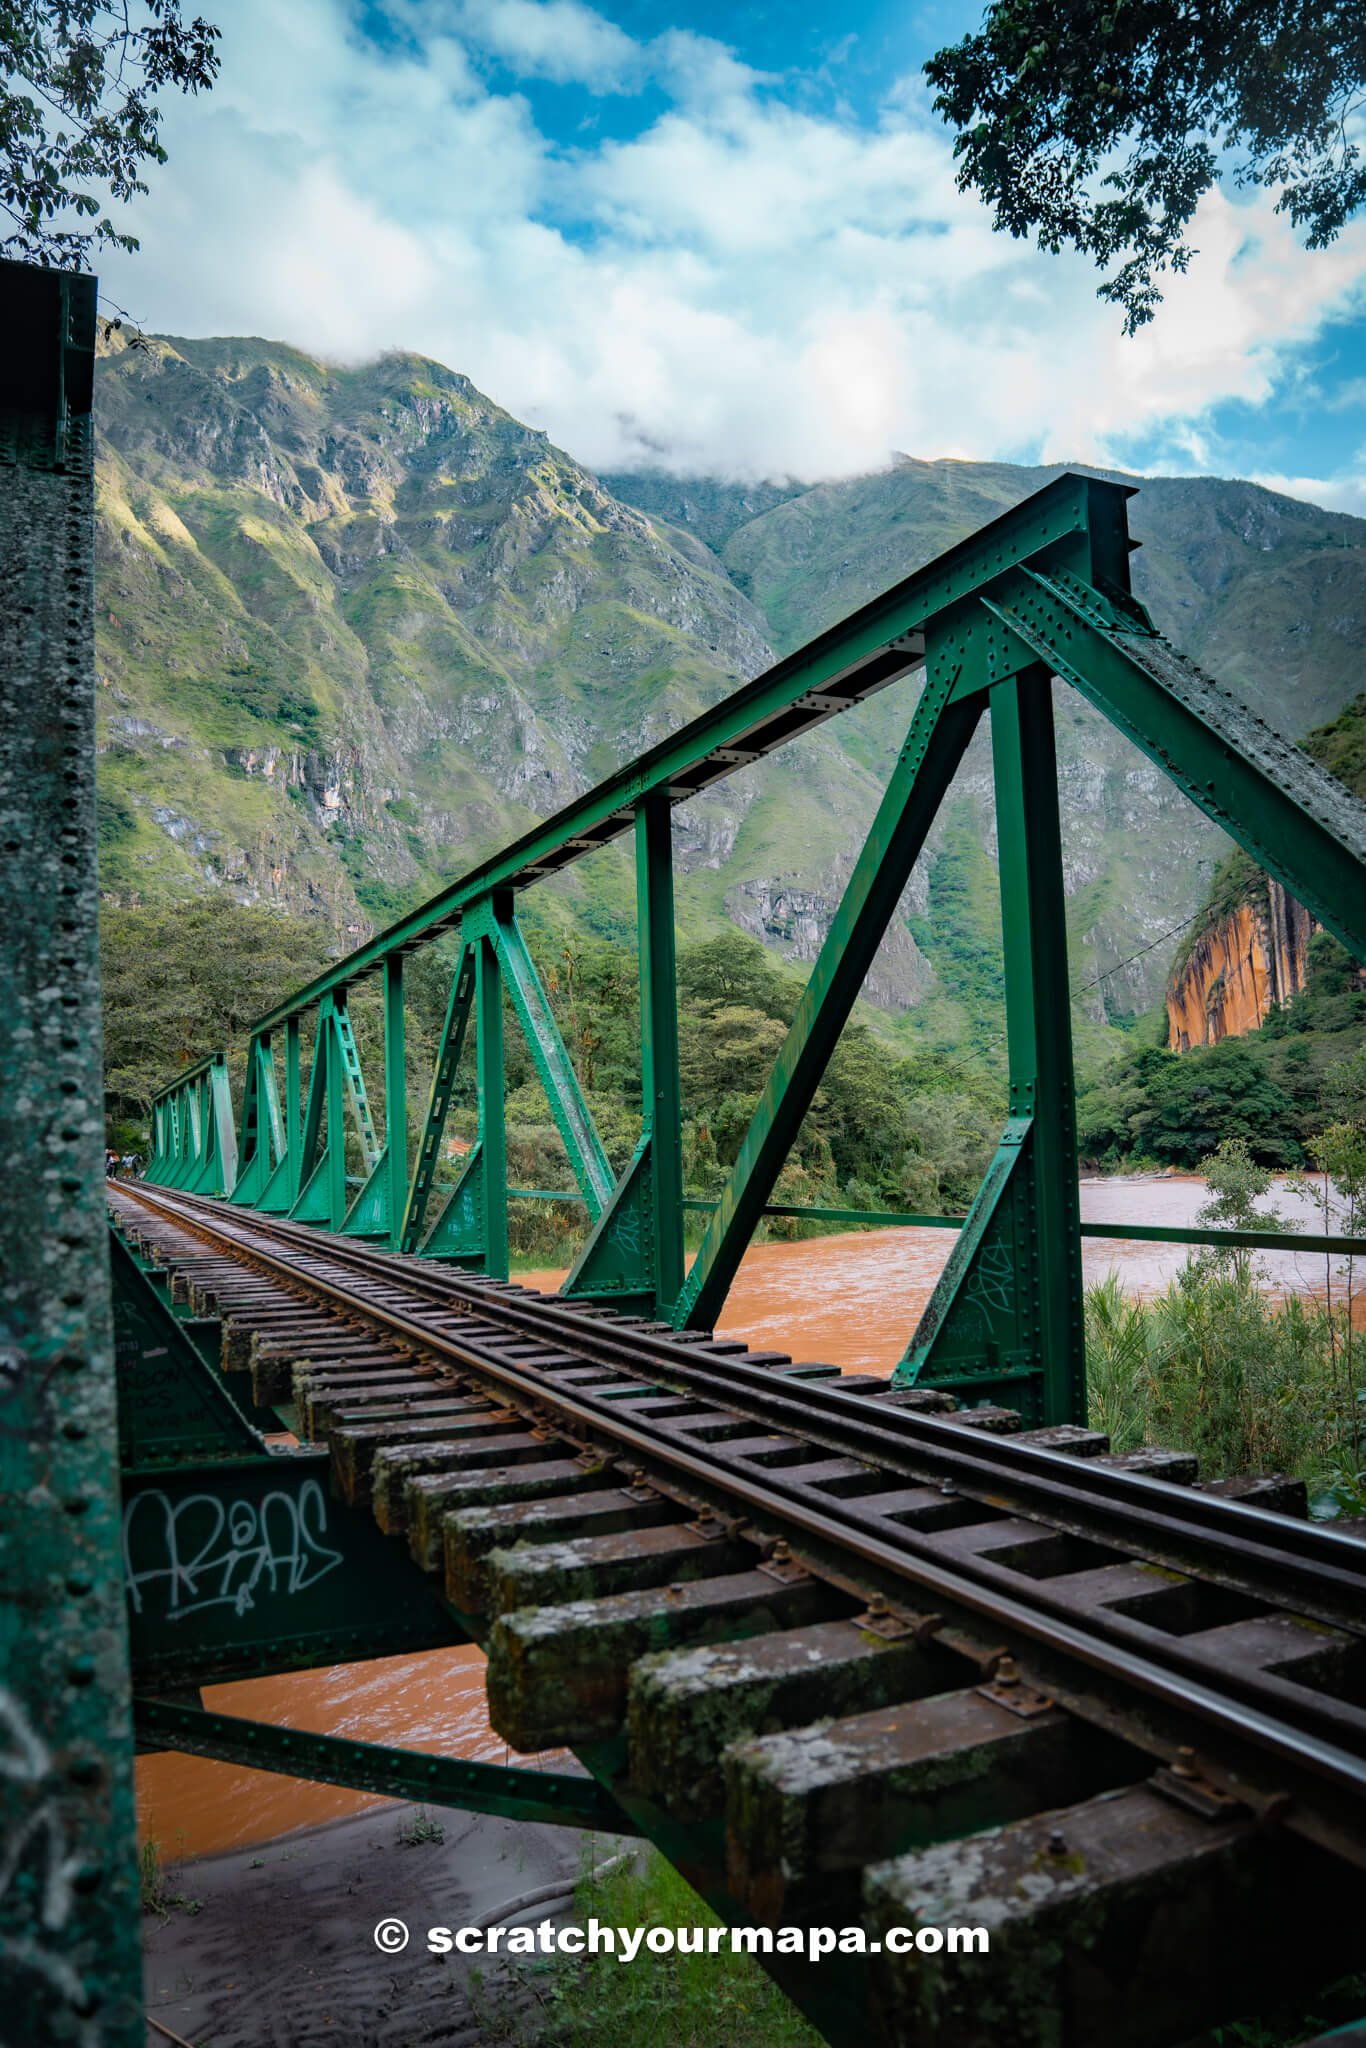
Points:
358	626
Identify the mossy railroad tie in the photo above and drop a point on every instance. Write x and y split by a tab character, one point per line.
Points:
687	1707
242	1329
457	1421
559	1675
272	1365
1125	1920
807	1809
319	1392
541	1573
430	1497
348	1407
474	1533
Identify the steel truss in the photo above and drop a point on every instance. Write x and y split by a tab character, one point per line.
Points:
1044	591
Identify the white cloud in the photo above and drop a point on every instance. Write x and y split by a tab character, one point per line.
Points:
556	39
742	287
1343	493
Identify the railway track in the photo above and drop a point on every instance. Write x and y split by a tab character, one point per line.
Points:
849	1656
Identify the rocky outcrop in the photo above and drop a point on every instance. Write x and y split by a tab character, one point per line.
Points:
796	921
1241	967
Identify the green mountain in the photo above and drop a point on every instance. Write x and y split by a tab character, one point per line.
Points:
358	626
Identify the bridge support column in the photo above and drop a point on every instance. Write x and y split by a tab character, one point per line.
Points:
1005	1322
493	1151
395	1096
70	1967
634	1255
661	1096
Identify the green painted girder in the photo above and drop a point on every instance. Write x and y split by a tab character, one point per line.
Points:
460	1232
377	1210
458	1011
492	1090
515	1792
368	1215
634	1254
1075	521
334	1081
1005	1320
573	1119
619	1258
355	1083
194	1135
263	1134
939	733
906	1219
1295	819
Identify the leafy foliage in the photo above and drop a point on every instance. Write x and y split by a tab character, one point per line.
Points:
1175	1108
182	979
78	113
1047	94
1219	1367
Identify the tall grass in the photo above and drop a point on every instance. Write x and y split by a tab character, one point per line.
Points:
1219	1367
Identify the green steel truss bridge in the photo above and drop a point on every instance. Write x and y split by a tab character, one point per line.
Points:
831	1643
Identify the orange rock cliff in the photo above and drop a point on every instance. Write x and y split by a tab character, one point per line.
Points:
1239	969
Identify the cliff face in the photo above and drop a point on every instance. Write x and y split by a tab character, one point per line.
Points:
1251	954
1244	965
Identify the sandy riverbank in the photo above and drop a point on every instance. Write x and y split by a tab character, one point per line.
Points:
281	1951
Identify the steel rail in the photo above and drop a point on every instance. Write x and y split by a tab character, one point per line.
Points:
1286	1723
1287	1562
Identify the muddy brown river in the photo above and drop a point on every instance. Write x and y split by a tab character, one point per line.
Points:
851	1300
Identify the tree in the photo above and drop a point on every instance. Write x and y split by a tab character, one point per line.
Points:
182	979
78	114
1236	1184
1048	94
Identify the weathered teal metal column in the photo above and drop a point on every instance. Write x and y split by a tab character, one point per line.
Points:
70	1963
661	1100
493	1151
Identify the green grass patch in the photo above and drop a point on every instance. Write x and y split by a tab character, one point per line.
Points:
688	2001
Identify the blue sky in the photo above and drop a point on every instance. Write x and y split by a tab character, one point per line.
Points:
721	237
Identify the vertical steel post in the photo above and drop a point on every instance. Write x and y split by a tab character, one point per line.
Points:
70	1963
293	1106
661	1100
1038	1020
395	1096
334	1082
492	1110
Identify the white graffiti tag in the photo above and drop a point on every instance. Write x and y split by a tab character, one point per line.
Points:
188	1555
37	1840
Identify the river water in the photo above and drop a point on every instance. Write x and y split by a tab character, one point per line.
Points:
851	1300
